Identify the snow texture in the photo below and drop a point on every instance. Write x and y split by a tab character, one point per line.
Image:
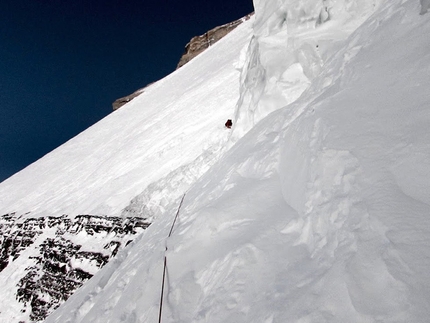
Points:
318	207
425	5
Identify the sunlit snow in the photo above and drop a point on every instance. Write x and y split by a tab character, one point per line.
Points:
314	207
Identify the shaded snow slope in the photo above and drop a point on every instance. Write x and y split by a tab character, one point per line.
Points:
319	213
177	123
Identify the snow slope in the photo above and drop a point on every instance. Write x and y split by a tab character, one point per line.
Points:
177	125
134	163
318	207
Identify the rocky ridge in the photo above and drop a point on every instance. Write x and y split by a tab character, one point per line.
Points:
118	103
196	46
61	254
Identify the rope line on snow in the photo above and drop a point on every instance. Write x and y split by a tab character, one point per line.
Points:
162	289
165	261
176	216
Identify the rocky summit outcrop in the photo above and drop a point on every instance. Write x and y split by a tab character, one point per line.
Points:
118	103
198	44
195	47
60	254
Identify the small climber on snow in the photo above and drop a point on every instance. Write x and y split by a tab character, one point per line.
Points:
229	123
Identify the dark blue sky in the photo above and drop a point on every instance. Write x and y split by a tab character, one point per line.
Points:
63	62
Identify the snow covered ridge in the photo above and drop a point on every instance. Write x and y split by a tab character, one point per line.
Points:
320	209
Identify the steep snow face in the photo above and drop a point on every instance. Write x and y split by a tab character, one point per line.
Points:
292	41
169	134
320	213
131	165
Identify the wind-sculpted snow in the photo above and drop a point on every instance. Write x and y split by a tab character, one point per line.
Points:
292	41
320	212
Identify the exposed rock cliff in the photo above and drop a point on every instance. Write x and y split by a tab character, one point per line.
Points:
118	103
60	254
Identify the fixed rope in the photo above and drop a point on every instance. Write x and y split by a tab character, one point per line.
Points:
165	261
